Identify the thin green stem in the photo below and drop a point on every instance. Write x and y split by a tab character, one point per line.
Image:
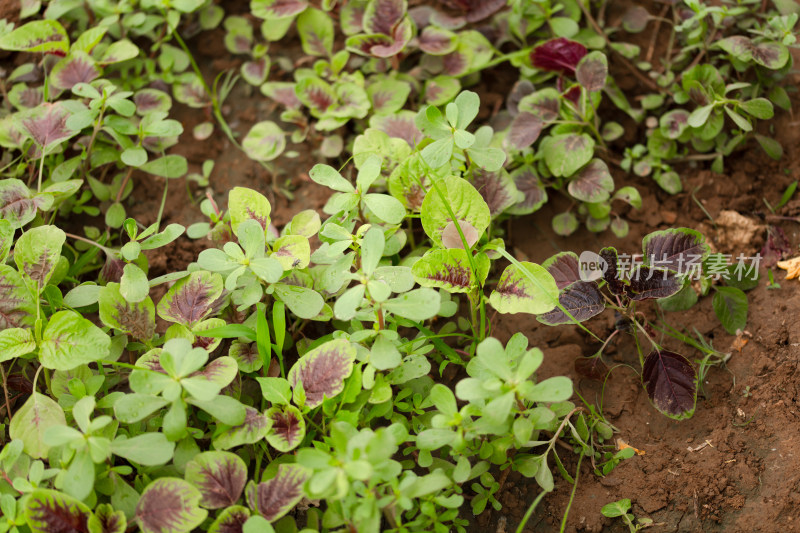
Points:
572	494
530	511
41	171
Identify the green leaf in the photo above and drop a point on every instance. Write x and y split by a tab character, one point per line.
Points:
418	304
516	292
615	509
328	176
276	390
148	449
292	251
303	302
134	407
772	147
169	505
15	342
730	306
32	420
45	36
69	340
134	286
759	108
385	207
462	198
169	166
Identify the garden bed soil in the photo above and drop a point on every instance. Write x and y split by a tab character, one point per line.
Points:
733	466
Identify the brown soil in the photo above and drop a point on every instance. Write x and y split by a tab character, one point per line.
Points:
746	478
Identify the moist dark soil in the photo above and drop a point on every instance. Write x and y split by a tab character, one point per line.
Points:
734	465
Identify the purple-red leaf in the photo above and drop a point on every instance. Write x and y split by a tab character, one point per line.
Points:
592	71
671	383
525	129
533	192
322	371
475	10
582	300
520	90
593	183
169	505
564	268
677	249
558	55
651	283
611	273
288	427
400	125
219	476
277	496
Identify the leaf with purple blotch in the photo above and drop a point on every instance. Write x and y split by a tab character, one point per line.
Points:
23	97
264	142
215	376
497	189
525	129
410	180
106	520
49	511
534	291
135	319
566	153
673	123
246	204
255	72
230	520
671	383
77	67
292	251
534	194
437	41
17	307
246	356
648	283
36	253
450	270
543	104
351	102
381	16
558	55
315	94
151	100
770	54
45	36
564	268
275	497
519	90
315	28
441	89
253	429
593	368
451	238
119	51
191	92
475	10
388	95
363	44
47	124
69	340
288	427
277	9
593	183
169	505
323	370
457	62
282	92
582	300
219	476
635	19
465	202
592	71
399	125
190	299
676	249
17	204
611	274
401	34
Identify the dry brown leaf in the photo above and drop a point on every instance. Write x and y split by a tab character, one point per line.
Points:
621	445
791	266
